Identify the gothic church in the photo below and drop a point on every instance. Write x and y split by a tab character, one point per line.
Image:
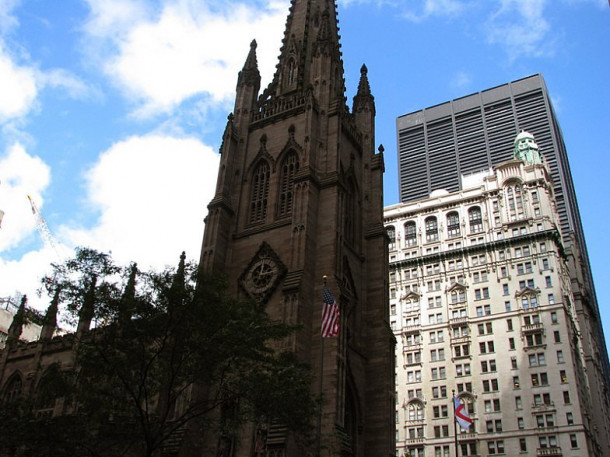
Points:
299	196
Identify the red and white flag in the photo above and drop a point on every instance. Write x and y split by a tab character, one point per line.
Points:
461	415
330	315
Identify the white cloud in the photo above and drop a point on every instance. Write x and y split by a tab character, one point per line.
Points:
161	58
111	19
521	28
22	276
75	87
18	89
152	193
461	80
7	19
425	9
20	174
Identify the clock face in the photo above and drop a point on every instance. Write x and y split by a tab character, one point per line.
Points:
261	276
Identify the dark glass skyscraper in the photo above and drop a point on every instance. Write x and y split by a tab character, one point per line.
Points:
439	145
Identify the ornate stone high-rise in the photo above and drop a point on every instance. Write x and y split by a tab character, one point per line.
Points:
299	196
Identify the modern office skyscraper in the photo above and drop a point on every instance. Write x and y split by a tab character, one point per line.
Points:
482	304
439	146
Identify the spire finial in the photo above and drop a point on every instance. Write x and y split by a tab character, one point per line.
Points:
251	62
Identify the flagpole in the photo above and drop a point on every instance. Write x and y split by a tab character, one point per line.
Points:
454	423
320	390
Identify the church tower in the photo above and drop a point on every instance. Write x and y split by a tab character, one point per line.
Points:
299	196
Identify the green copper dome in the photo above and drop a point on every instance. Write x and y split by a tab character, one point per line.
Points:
526	149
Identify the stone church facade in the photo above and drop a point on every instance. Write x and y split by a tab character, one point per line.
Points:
299	196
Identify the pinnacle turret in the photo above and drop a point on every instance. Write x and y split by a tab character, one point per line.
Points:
363	98
16	327
50	318
249	75
127	304
178	283
88	309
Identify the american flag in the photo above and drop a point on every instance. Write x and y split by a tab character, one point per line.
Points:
330	315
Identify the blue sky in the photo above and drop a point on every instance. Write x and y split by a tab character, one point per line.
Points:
111	111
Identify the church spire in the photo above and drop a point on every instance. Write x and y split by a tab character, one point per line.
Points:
311	27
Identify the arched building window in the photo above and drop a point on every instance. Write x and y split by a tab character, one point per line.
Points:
259	192
410	234
392	236
453	224
415	411
431	229
290	166
475	219
13	389
514	201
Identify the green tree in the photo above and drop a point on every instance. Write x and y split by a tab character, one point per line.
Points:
170	352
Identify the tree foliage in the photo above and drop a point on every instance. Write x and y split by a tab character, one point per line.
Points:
170	351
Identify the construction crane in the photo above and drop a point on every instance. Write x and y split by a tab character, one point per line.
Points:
42	227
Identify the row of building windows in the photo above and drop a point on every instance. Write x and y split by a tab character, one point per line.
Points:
487	366
494	447
514	203
485	348
415	409
527	302
431	227
481	259
485	328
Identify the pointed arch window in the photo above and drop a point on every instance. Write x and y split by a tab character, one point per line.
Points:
259	192
291	72
13	389
431	229
475	219
290	166
50	387
410	234
453	224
